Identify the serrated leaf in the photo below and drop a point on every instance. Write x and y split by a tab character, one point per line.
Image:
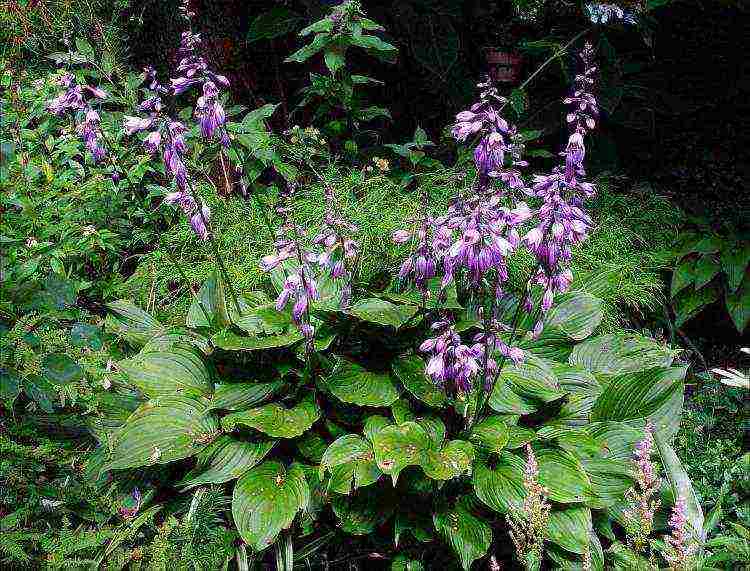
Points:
683	276
500	485
373	43
706	268
399	446
383	312
276	420
226	459
738	306
620	353
161	431
569	528
734	262
266	500
353	384
577	315
131	323
240	396
468	535
309	50
410	370
158	373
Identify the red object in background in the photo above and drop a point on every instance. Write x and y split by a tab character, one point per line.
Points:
503	66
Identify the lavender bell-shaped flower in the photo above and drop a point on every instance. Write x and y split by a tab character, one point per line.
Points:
452	364
562	221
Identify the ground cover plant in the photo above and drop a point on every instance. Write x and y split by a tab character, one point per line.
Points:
431	383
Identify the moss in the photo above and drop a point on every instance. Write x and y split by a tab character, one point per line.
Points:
632	234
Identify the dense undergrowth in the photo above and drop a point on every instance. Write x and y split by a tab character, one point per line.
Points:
358	420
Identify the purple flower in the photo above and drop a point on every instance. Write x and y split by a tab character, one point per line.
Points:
210	111
452	364
136	124
152	142
199	221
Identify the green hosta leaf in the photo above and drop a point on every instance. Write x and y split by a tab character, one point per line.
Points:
491	434
691	302
417	523
569	528
350	459
266	500
276	420
620	353
230	341
163	430
563	476
226	459
500	485
361	513
433	426
86	335
178	338
402	412
399	446
403	563
353	384
167	373
683	276
505	400
215	303
519	436
679	482
652	394
374	424
265	320
240	396
131	323
468	535
312	446
454	459
61	370
410	371
738	306
534	378
10	385
706	269
383	312
734	262
552	344
577	315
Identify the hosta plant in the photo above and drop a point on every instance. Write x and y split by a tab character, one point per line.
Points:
360	439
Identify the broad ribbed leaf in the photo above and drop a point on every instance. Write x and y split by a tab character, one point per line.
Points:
361	513
654	394
240	396
577	315
706	269
410	371
450	461
131	323
61	370
551	344
491	434
383	312
373	425
266	500
265	320
354	384
505	400
500	485
399	446
178	338
468	535
162	431
691	302
519	436
226	459
351	461
563	476
158	373
438	297
534	378
230	341
276	420
569	528
620	353
681	487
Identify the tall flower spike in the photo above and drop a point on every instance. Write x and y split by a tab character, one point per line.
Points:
337	245
563	223
680	547
452	365
528	523
299	286
642	505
